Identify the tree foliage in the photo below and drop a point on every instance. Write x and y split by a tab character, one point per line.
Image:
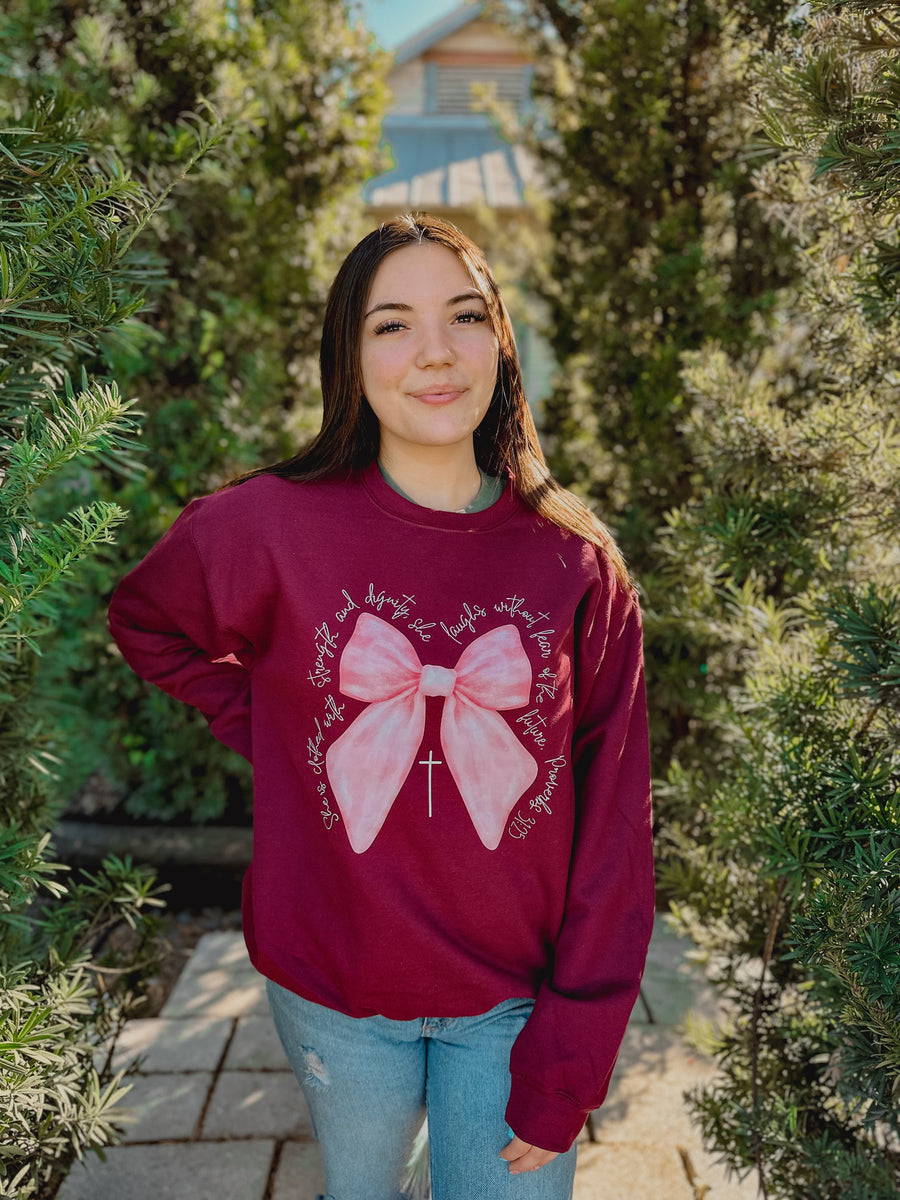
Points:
786	562
65	281
722	293
658	243
223	362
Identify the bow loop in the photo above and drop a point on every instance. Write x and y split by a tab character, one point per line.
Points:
378	662
494	671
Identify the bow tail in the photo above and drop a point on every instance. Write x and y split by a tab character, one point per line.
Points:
368	763
489	765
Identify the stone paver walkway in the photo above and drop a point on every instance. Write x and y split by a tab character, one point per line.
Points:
217	1114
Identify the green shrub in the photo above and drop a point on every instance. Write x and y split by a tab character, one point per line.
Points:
72	954
659	242
224	361
786	562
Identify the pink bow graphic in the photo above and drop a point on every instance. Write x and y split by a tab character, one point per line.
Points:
369	761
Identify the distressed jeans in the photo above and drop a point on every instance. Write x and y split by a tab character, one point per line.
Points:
369	1081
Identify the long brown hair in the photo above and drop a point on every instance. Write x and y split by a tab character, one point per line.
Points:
505	441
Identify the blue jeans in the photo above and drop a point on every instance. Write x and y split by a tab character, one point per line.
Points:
369	1081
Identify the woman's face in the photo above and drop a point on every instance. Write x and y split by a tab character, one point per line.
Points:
428	352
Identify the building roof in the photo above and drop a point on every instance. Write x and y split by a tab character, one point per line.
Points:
445	155
436	31
450	162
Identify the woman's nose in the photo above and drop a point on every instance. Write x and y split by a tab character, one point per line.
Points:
434	348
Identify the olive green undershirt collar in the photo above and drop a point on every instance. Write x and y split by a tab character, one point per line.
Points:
489	493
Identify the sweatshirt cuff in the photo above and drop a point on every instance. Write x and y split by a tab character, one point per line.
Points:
551	1122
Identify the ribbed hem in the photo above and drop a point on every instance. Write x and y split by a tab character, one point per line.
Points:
551	1122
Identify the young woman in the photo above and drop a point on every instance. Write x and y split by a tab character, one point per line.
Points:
432	655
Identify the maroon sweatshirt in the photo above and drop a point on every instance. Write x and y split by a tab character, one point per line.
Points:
446	718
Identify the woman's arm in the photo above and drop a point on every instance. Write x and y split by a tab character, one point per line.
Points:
562	1061
164	621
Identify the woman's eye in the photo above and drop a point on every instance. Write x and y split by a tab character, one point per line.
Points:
468	317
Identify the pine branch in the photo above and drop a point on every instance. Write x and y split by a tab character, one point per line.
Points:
44	558
93	421
208	137
564	19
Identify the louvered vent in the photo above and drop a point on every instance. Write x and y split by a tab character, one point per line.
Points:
453	86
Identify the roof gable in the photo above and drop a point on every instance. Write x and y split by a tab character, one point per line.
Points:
449	156
428	37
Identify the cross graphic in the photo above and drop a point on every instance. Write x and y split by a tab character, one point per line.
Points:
430	762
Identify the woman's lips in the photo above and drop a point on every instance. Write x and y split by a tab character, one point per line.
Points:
438	396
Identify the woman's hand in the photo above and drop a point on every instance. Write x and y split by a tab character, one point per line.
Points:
522	1156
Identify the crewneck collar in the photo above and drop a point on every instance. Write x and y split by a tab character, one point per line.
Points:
489	490
383	495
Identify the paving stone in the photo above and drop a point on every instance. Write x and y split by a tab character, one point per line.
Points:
165	1105
300	1174
214	951
218	993
646	1096
641	1128
673	985
255	1046
257	1104
189	1171
645	1121
173	1044
645	1125
642	1171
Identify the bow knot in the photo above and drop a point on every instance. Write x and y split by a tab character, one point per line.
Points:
437	681
370	761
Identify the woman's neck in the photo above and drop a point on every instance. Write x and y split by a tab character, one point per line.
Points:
439	477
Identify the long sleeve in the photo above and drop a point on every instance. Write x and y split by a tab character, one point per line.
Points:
562	1061
163	619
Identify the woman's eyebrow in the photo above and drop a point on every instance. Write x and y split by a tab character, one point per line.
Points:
469	294
389	304
472	294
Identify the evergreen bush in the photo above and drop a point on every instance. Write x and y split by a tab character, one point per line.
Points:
722	290
223	363
787	563
659	242
73	953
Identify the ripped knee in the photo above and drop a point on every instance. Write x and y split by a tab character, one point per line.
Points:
315	1074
